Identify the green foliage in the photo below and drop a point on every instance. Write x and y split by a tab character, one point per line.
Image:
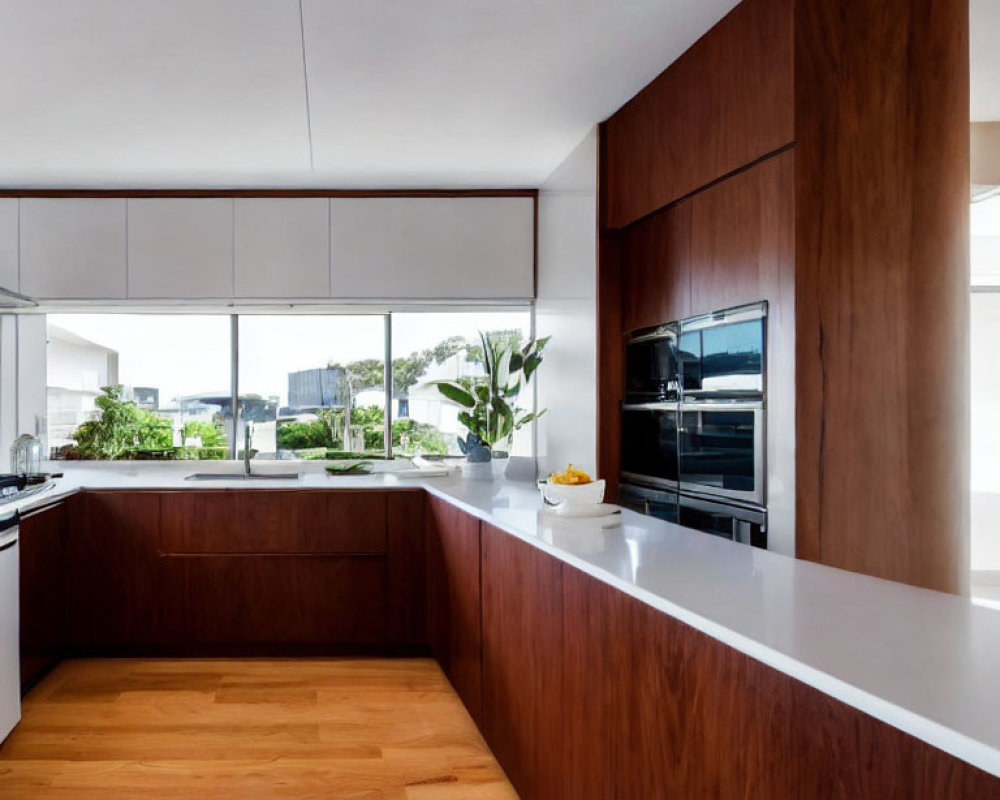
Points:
303	435
419	438
489	405
121	429
211	435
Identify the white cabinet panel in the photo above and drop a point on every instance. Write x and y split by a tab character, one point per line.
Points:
180	248
440	247
72	247
8	244
282	247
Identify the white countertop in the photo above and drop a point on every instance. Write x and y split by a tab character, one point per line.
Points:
925	662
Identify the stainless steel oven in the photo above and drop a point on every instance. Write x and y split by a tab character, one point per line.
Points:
659	503
649	444
721	450
722	355
736	523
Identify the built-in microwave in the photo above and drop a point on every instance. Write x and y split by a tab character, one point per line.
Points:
722	356
651	368
720	450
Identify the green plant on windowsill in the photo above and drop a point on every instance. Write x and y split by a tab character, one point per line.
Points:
490	413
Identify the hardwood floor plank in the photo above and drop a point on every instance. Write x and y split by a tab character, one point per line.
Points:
356	729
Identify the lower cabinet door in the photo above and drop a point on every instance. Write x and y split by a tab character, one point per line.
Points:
253	601
44	628
523	716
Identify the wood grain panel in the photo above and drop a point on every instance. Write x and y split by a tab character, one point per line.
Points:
610	344
882	296
741	244
274	521
235	601
523	714
670	712
656	268
115	587
407	571
723	104
596	671
44	610
454	607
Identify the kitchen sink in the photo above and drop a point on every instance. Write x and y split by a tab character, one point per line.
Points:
240	476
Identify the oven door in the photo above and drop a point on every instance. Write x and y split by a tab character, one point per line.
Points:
722	354
659	503
736	523
651	371
721	449
649	444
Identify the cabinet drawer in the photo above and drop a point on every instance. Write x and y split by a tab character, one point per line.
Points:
258	600
248	521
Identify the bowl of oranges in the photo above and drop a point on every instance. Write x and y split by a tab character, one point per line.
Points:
571	486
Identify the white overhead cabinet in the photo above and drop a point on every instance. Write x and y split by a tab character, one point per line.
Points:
282	247
8	244
180	248
432	247
72	248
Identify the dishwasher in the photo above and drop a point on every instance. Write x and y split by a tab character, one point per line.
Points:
10	665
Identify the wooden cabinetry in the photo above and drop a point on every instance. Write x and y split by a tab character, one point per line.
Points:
9	278
723	104
117	597
180	247
523	661
407	611
656	268
454	603
72	248
282	247
43	609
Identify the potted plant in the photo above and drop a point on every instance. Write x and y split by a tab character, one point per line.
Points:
489	404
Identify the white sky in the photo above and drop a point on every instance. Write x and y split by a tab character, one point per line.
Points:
184	354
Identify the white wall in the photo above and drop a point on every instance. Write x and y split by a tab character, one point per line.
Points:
22	380
566	310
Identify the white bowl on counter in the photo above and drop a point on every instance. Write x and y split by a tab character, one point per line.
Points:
575	494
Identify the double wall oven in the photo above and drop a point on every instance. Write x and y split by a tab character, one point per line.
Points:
693	423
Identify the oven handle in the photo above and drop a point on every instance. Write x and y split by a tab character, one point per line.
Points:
722	405
650	406
737	512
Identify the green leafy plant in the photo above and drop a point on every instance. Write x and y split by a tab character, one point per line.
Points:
121	429
209	433
490	413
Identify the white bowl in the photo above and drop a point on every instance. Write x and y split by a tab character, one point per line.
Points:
583	494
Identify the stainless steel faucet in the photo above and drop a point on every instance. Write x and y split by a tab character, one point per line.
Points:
246	450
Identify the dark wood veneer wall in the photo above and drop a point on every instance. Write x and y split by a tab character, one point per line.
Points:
816	158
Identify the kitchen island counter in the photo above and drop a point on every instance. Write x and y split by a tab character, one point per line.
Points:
922	661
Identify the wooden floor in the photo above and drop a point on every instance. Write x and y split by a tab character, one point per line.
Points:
357	729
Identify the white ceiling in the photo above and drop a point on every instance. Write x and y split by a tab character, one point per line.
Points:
984	44
401	93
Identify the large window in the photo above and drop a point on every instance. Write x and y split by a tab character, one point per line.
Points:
167	378
128	386
313	386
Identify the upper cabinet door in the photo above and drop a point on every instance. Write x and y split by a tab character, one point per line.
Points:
73	247
435	247
282	247
180	248
8	244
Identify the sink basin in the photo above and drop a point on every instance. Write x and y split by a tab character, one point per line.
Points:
239	476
